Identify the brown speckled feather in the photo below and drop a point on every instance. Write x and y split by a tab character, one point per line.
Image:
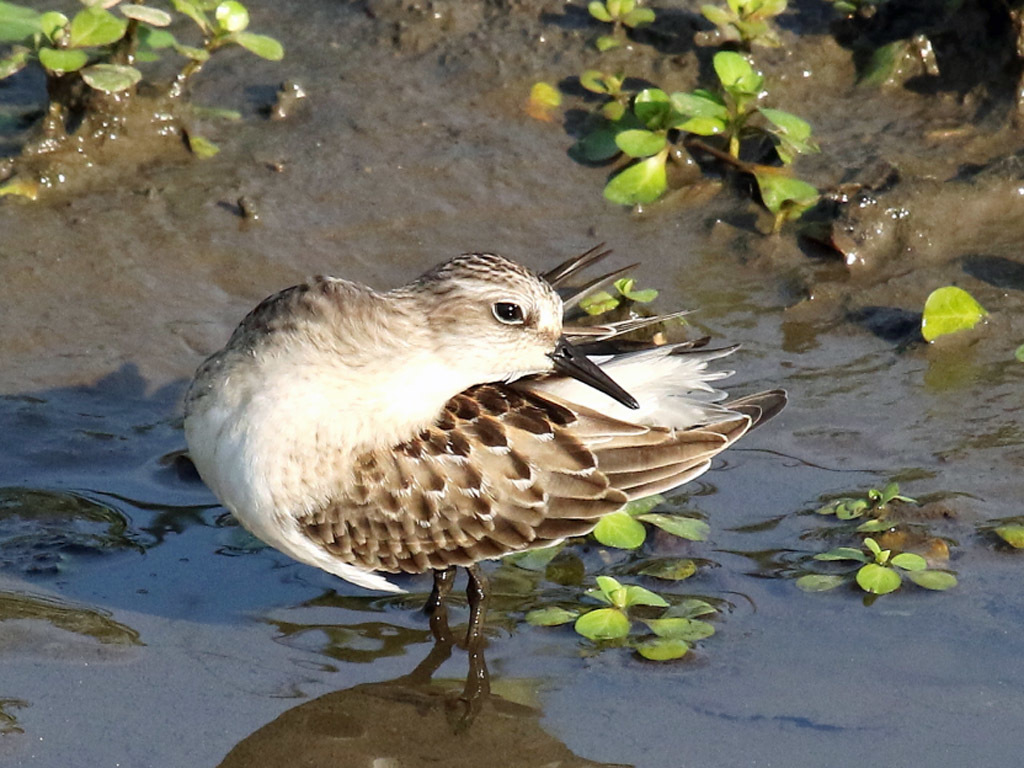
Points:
505	470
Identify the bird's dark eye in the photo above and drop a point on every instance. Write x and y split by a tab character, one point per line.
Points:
508	312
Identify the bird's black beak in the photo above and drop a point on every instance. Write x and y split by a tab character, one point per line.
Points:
572	362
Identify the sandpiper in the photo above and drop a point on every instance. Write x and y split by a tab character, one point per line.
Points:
446	422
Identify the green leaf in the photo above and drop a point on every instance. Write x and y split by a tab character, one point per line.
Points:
607	42
690	630
873	546
699	104
663	649
703	126
1012	535
111	78
620	530
908	561
819	582
717	16
594	80
843	553
733	70
890	492
613	110
948	310
534	559
882	64
643	182
625	287
1018	354
603	624
777	191
51	23
193	11
878	579
263	46
95	26
61	60
638	17
684	527
636	595
15	62
189	52
851	509
20	188
607	586
202	148
146	14
599	303
599	12
650	106
690	608
639	143
596	146
550	616
544	99
670	570
231	16
937	580
645	503
791	125
18	23
873	526
771	8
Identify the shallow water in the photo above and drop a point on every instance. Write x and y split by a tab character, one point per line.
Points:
139	627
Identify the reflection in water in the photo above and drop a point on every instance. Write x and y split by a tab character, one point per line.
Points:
409	722
8	722
40	529
90	622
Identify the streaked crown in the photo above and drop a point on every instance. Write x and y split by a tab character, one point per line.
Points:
489	313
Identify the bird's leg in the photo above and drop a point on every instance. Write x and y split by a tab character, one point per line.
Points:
464	710
476	591
435	607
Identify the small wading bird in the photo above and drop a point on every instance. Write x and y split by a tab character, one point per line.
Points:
446	422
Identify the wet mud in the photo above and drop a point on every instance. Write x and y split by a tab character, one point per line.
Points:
140	626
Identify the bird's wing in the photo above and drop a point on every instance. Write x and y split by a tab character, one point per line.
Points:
505	470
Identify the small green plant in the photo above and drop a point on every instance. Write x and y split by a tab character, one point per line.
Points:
621	14
624	529
948	310
874	505
647	131
668	636
102	45
605	84
745	22
1012	534
879	572
625	290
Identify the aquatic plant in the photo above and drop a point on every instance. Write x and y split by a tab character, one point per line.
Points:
102	46
622	15
625	290
874	504
624	529
648	128
745	22
948	310
616	624
879	572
